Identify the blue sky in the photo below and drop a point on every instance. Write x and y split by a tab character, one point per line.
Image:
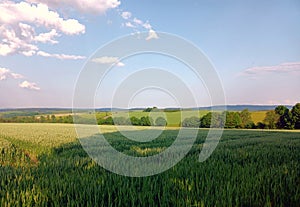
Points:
44	44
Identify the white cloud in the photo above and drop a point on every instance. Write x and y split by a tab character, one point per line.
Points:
47	37
120	64
19	20
7	73
147	26
108	60
29	85
83	6
12	13
129	24
137	21
152	35
137	24
15	40
126	15
291	67
60	56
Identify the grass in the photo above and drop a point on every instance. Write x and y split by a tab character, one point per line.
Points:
248	168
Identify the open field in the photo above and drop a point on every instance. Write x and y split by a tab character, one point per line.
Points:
173	118
44	165
258	116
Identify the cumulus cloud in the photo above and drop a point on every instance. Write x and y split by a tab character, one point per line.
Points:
83	6
108	60
47	37
7	73
40	15
60	56
15	41
29	85
152	35
290	67
19	22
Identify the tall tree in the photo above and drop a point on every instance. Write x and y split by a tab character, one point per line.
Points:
271	119
285	117
296	116
246	119
191	122
135	121
145	121
206	120
233	120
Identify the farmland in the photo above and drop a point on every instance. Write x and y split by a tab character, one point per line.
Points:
174	118
44	165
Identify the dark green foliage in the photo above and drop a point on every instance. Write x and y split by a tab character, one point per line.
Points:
107	121
212	119
191	122
161	121
233	120
285	118
271	119
206	120
261	125
246	120
296	116
248	168
135	121
146	121
153	109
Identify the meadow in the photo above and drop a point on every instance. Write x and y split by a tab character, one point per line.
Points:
45	165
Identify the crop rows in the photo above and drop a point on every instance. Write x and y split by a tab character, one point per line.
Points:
248	168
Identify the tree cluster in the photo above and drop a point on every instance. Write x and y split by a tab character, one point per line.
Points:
282	118
143	121
38	119
226	119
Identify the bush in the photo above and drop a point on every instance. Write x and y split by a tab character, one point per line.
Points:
161	121
191	122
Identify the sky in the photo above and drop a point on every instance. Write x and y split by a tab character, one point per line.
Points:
254	47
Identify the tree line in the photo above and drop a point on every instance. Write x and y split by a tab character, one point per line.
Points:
227	119
279	118
282	118
38	119
143	121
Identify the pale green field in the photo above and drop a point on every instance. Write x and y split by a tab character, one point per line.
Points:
173	118
38	138
258	116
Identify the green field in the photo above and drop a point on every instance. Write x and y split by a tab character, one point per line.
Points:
173	118
258	116
44	165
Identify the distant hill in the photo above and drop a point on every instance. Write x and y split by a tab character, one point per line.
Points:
242	107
